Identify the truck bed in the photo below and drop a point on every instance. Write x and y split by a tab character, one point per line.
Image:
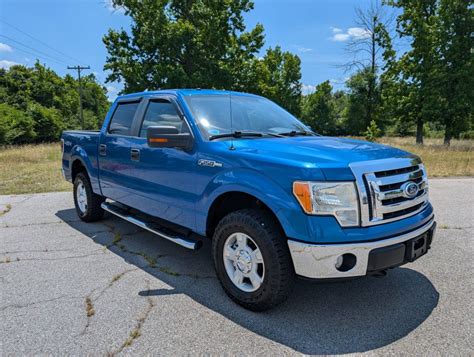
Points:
82	144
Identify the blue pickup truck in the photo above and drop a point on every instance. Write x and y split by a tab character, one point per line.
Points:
276	200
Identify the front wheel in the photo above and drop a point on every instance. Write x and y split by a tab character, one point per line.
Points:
86	201
252	259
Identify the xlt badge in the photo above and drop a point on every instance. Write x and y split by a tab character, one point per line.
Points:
209	163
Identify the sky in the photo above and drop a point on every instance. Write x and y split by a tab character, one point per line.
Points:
69	32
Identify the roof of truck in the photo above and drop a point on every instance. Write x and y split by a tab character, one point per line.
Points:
184	92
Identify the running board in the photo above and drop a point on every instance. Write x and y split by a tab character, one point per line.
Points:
151	227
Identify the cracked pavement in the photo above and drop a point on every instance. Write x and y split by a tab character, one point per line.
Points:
69	287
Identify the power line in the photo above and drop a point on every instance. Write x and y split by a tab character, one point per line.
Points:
33	49
36	55
79	69
42	42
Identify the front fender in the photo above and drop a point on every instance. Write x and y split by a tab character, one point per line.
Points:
281	202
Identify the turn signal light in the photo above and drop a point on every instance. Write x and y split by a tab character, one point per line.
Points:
302	193
158	140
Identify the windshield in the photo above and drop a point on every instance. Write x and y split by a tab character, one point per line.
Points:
249	114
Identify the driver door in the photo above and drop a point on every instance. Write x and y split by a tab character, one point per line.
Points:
161	178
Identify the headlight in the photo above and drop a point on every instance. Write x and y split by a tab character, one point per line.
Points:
338	199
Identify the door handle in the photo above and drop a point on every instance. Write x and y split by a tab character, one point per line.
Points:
102	149
135	154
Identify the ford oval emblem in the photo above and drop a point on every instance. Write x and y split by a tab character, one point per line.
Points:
409	189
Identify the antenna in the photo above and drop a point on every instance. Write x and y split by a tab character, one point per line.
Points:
232	147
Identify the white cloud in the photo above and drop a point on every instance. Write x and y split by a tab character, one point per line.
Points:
352	33
5	64
109	4
358	32
5	48
341	37
307	88
304	49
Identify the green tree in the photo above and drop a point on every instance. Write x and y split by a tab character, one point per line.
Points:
50	103
94	101
415	71
371	50
178	44
455	74
16	126
318	110
277	76
48	124
373	132
359	85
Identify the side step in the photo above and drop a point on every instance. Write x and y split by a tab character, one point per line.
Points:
150	226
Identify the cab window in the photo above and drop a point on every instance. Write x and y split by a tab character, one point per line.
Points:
162	113
121	122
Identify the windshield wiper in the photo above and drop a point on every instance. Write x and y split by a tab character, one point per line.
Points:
295	133
241	134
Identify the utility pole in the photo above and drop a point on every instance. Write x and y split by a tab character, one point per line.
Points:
79	69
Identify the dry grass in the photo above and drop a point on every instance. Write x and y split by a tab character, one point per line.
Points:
31	169
89	307
37	168
7	209
440	161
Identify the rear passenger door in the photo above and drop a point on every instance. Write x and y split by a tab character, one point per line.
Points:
114	151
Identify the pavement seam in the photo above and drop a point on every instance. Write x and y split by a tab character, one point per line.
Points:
38	251
140	320
20	306
90	300
50	259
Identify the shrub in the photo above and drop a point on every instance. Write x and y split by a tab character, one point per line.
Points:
16	126
467	135
47	122
373	132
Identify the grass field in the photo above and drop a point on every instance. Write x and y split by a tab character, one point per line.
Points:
440	161
31	169
36	168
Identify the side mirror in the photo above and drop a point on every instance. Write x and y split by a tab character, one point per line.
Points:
168	137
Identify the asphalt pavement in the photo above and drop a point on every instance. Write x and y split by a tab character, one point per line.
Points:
68	287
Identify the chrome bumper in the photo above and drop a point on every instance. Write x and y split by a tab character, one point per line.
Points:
319	261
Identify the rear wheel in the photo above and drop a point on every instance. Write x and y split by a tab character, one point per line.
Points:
252	259
86	201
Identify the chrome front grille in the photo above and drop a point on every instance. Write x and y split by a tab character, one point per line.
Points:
390	189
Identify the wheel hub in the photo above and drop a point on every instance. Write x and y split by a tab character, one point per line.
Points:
81	197
244	261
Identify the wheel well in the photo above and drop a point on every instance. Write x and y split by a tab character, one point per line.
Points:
230	202
77	167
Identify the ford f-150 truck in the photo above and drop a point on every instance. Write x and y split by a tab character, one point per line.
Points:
276	199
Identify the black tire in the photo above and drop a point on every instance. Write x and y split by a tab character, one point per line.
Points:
93	212
279	275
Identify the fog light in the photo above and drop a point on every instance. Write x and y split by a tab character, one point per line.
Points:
346	262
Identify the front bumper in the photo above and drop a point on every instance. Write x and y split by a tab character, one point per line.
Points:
358	259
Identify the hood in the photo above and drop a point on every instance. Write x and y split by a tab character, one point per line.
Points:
331	155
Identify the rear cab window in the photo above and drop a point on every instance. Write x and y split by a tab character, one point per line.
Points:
122	119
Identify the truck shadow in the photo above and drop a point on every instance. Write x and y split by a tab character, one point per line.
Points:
318	318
